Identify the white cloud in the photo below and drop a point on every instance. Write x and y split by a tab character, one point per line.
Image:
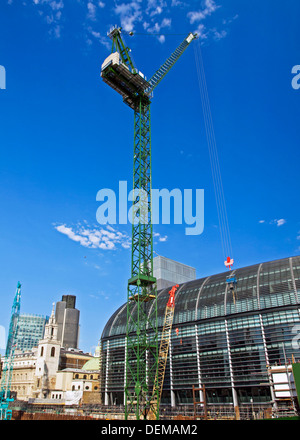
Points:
199	16
63	229
95	238
98	37
92	9
176	3
163	238
156	28
160	237
209	7
280	222
99	295
155	7
218	35
201	32
129	13
153	12
56	5
277	222
158	10
166	22
152	15
51	11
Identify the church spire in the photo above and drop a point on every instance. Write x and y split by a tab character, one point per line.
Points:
51	326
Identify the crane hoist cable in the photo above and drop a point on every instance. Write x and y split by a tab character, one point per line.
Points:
214	157
216	172
150	34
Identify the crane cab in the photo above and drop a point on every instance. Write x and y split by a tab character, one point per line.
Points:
129	84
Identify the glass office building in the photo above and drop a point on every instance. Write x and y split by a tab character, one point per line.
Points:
30	331
224	336
169	272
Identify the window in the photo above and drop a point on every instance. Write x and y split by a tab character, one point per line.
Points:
52	351
42	351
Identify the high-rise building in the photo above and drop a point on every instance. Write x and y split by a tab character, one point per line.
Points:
67	319
169	272
30	330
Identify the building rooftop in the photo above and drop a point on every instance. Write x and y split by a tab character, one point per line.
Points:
92	364
259	286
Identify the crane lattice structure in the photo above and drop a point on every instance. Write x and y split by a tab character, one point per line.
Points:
5	413
141	356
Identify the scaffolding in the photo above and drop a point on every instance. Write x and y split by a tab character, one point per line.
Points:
202	402
284	390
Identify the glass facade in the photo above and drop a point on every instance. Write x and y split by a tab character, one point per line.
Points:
30	331
169	272
223	338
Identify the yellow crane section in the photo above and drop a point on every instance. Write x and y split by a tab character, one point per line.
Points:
163	353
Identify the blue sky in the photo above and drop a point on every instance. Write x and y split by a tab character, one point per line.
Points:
64	135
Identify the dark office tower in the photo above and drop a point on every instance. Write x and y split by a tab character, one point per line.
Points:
70	300
67	318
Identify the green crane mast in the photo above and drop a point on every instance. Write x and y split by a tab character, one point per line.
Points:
141	351
5	387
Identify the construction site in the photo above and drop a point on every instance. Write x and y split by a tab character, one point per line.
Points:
222	347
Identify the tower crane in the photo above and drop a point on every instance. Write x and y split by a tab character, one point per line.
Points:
5	387
120	73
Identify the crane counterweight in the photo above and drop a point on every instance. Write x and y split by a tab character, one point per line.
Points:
119	77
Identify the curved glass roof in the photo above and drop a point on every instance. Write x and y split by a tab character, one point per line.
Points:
265	285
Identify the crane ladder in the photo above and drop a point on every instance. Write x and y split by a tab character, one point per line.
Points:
162	357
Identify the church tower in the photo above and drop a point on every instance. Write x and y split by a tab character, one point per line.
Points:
48	359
